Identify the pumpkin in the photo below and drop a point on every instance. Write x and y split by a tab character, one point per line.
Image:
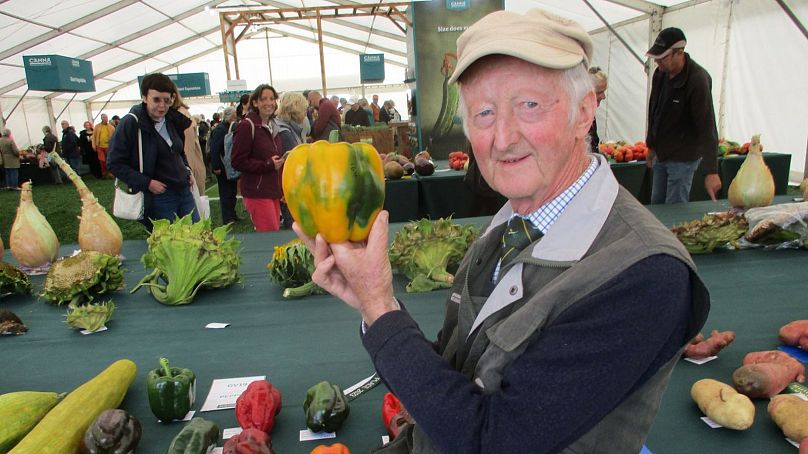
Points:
335	189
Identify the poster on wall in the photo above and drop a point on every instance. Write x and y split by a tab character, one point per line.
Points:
436	27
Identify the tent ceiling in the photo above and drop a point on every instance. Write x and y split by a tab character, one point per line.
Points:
128	38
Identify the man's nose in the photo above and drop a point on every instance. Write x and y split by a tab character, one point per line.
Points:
506	131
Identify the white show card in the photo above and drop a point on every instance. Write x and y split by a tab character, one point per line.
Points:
308	435
224	392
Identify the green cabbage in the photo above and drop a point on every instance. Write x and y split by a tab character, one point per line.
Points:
187	256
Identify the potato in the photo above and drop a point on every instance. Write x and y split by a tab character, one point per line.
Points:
790	413
721	403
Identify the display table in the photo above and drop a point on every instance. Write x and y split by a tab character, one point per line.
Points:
401	199
444	193
297	343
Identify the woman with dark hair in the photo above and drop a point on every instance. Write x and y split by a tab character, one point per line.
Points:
257	151
243	106
88	154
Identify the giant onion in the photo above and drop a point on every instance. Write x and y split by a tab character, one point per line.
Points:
97	230
32	241
753	186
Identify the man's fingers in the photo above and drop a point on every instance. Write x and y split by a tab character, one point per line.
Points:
307	240
378	233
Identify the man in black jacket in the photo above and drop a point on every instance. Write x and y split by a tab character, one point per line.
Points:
681	122
70	146
163	176
227	187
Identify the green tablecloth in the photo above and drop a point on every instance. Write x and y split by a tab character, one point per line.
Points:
297	343
401	199
444	193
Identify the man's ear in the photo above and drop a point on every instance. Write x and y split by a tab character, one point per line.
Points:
586	114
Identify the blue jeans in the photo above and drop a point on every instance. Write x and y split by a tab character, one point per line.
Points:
12	178
75	164
672	181
172	203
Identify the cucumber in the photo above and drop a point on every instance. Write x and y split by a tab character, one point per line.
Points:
19	413
61	430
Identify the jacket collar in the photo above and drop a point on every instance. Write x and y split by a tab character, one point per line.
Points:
575	230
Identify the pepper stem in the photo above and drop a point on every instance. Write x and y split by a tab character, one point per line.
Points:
166	368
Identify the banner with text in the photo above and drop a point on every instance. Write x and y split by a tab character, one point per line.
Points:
58	73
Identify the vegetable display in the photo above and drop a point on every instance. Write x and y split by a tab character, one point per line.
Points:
171	391
713	230
700	348
90	317
458	160
81	278
20	412
765	374
753	185
113	432
11	324
186	257
71	417
336	448
199	436
326	407
12	280
336	189
394	415
795	333
258	405
291	267
97	230
32	240
424	249
723	404
249	441
790	413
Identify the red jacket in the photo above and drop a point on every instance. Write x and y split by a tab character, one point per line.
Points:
327	120
252	154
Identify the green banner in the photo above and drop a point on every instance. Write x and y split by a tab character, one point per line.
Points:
433	36
233	95
58	73
371	68
189	85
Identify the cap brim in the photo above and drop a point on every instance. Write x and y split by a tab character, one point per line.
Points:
657	52
552	58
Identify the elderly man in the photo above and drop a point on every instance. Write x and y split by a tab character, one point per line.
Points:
101	136
70	146
227	187
542	303
328	118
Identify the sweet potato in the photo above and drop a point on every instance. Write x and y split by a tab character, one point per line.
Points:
765	374
795	333
790	413
700	348
723	404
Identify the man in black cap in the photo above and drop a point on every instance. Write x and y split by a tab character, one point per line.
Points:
681	122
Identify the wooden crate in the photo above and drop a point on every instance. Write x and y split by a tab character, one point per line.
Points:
381	138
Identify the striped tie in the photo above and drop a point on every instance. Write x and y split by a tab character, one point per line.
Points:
517	236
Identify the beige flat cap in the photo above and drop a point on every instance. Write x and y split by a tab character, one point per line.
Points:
538	36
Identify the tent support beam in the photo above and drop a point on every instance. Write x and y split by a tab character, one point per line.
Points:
614	32
722	95
322	56
51	119
793	18
5	119
638	5
65	108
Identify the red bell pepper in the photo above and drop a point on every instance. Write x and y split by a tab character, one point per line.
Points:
249	441
257	406
336	448
394	415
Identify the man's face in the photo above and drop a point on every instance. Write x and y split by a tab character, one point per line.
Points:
518	124
313	100
104	118
265	105
87	125
600	91
375	99
157	103
65	124
672	62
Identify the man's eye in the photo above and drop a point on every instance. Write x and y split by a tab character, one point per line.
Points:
531	104
485	113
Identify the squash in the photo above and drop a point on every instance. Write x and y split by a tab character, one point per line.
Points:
335	189
20	412
62	429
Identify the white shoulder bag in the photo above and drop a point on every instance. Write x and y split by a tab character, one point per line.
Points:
126	205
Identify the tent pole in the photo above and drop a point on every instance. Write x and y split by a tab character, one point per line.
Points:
793	18
105	105
614	32
269	57
51	118
654	27
320	44
722	96
5	119
63	110
224	46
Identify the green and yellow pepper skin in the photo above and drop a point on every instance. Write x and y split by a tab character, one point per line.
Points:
335	189
172	391
197	437
326	407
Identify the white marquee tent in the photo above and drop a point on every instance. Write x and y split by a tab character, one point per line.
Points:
755	50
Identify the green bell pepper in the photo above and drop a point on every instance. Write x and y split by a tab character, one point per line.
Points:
172	391
326	407
199	436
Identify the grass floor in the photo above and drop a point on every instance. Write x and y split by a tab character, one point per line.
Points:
61	206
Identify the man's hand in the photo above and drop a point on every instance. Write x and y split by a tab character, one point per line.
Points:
649	159
217	171
157	187
712	183
357	273
278	161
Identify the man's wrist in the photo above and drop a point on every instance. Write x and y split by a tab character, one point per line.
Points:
368	318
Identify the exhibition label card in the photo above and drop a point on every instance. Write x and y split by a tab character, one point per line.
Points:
86	331
217	325
701	361
228	433
308	435
224	392
711	423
